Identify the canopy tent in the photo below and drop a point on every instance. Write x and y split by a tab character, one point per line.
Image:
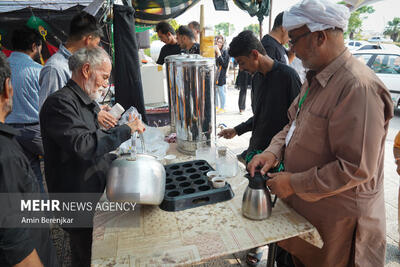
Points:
146	12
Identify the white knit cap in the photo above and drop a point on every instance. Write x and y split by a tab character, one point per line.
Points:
318	15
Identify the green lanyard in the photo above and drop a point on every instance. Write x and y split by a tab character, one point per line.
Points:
301	102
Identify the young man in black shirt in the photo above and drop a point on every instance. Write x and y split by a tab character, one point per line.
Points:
186	41
18	246
274	41
167	35
275	87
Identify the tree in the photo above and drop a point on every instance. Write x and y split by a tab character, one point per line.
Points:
356	20
254	28
224	28
393	29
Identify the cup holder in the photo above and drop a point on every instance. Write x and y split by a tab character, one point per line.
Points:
184	184
204	187
191	170
187	165
177	173
204	168
199	181
174	167
168	180
195	176
189	191
181	178
170	187
199	163
173	194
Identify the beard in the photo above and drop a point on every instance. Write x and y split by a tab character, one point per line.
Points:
90	88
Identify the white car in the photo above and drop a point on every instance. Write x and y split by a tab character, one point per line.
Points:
386	65
353	44
376	39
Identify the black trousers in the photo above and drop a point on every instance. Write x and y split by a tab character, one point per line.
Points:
283	258
81	246
242	82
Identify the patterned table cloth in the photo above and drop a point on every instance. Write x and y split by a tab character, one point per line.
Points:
150	236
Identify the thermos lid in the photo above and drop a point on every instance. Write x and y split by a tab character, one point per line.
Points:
173	58
258	181
195	60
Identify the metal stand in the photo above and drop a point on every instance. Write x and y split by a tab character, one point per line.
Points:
271	254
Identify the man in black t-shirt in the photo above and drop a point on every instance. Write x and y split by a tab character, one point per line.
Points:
187	41
274	41
23	246
167	35
275	86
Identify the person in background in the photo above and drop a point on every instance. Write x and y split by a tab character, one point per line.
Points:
333	146
27	44
77	150
195	27
186	41
222	63
242	82
84	32
274	45
396	153
167	35
278	87
274	41
19	247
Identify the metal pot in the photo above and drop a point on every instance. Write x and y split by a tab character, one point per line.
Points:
140	180
194	103
169	67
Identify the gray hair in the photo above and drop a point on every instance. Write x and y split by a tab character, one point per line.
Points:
94	56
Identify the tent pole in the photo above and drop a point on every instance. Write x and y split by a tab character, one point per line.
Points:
270	15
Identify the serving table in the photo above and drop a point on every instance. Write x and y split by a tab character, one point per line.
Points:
150	236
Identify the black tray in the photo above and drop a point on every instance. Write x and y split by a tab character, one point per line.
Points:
187	186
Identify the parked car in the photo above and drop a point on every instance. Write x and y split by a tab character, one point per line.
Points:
386	65
369	46
377	39
353	44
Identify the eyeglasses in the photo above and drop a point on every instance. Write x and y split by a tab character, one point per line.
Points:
292	42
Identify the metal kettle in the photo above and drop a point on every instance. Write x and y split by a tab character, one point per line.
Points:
257	203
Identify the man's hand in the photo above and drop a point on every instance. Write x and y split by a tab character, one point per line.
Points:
280	184
266	160
227	133
136	125
106	119
105	107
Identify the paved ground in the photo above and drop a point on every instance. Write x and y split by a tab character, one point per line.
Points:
232	117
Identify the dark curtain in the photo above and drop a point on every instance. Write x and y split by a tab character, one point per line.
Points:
128	82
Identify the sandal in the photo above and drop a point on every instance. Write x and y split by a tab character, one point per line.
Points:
253	258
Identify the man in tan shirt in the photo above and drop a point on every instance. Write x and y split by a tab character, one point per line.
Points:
333	145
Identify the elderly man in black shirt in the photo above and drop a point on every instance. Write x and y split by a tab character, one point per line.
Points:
18	246
76	149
